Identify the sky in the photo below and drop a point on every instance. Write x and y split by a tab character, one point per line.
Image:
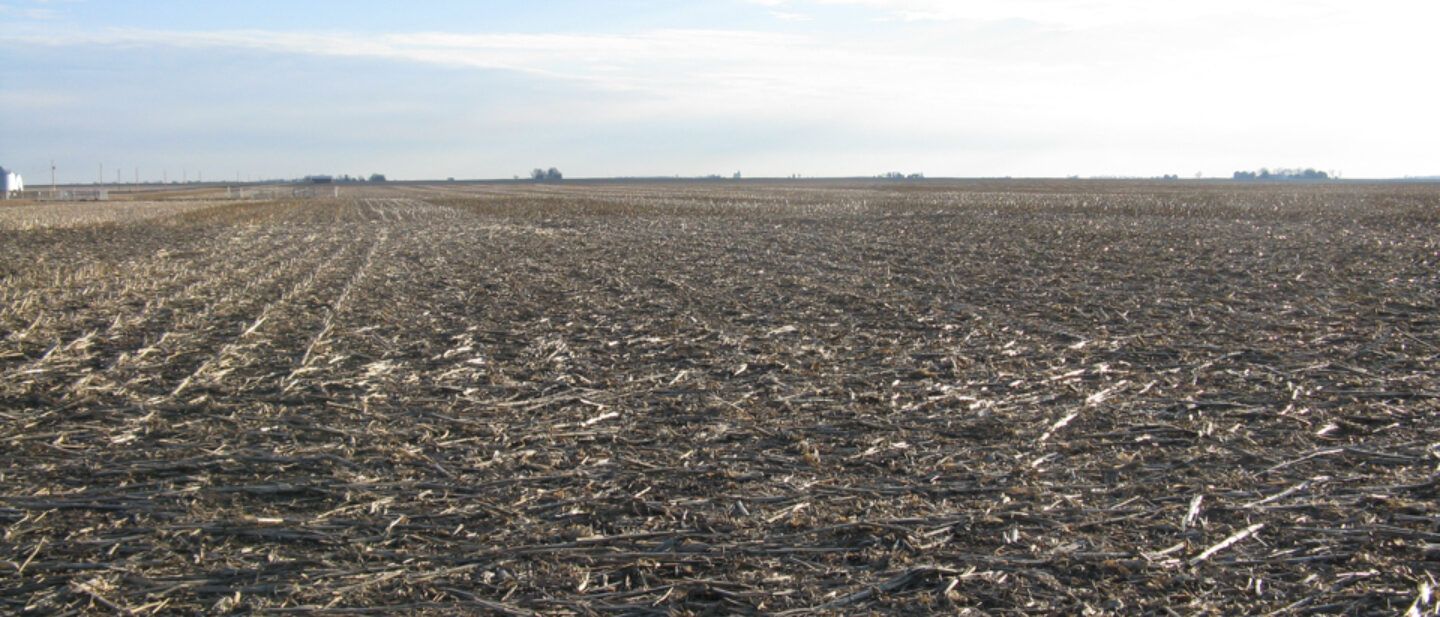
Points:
170	89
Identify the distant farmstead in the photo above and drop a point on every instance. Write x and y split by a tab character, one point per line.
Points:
13	183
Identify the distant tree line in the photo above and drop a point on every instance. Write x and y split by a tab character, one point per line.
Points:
344	178
1282	174
895	175
546	175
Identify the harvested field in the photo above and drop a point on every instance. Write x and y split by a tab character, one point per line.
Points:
984	398
33	215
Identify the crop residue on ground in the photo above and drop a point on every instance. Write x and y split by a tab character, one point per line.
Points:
726	398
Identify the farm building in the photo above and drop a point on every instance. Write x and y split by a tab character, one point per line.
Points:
12	181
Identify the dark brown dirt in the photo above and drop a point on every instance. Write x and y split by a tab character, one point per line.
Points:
730	398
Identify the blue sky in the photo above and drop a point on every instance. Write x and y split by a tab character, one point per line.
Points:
766	87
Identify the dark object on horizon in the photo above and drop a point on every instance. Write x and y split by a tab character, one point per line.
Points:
1282	174
540	175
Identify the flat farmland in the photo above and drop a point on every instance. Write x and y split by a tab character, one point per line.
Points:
670	398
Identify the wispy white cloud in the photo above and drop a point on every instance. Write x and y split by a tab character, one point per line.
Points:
28	12
1079	14
789	16
34	9
1032	80
677	71
555	55
37	99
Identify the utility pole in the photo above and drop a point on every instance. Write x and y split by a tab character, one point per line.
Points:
52	177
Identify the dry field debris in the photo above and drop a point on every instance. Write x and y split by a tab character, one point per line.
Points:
1007	398
41	215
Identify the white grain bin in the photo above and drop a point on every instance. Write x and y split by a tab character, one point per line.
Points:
12	181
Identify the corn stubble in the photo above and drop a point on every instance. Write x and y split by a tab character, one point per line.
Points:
725	398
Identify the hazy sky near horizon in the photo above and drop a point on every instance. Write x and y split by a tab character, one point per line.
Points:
461	89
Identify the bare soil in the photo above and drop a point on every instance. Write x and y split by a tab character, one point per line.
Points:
982	398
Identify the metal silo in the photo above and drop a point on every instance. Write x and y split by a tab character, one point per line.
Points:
13	183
